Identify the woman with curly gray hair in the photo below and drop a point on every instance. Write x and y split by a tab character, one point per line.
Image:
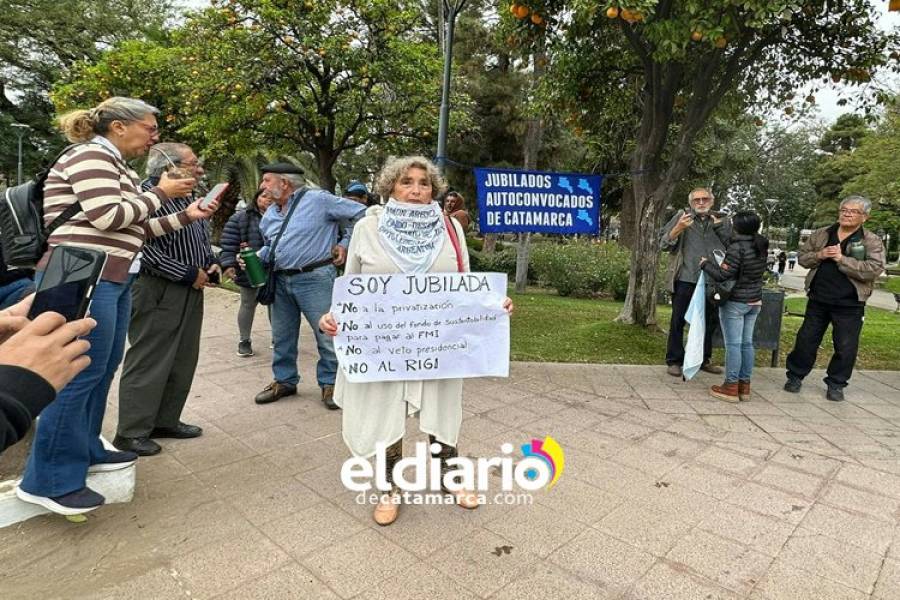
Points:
407	235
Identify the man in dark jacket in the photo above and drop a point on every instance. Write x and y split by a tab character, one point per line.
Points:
689	236
166	319
37	359
242	231
844	260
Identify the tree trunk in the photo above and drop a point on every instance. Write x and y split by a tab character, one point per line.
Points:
532	147
490	243
325	162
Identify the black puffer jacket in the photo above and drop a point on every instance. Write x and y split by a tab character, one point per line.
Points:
744	263
241	228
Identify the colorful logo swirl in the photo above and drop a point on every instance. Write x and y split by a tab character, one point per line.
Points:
548	451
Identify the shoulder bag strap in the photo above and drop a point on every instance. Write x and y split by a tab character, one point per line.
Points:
72	209
451	231
284	223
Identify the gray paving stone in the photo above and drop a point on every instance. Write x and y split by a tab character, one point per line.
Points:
664	582
850	528
645	527
704	480
770	501
421	582
356	563
789	480
842	563
726	460
603	560
786	582
729	564
854	500
878	482
549	581
229	563
312	529
888	585
764	534
537	529
287	583
483	563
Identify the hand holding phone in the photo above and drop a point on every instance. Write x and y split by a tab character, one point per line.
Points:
68	282
213	194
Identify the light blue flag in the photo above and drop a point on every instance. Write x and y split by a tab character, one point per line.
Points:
696	318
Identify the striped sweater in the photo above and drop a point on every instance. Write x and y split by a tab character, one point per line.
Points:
115	214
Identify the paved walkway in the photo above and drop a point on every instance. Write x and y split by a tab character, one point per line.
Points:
665	494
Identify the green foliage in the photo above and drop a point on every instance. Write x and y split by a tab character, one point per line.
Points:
582	269
498	262
845	134
892	285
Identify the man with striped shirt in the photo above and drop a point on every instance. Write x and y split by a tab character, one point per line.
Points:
166	319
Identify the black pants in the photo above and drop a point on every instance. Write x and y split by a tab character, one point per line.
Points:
846	325
681	299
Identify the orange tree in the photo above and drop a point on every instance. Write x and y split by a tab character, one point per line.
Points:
671	63
325	77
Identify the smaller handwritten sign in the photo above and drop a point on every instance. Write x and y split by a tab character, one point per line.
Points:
404	326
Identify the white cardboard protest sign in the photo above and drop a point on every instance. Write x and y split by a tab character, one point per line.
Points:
404	326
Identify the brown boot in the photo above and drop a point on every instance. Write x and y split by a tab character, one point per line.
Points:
328	397
727	392
744	391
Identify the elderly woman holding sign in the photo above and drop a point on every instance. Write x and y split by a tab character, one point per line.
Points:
409	234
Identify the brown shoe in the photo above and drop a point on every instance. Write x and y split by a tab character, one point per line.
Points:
387	509
674	370
711	368
744	391
274	391
328	397
727	392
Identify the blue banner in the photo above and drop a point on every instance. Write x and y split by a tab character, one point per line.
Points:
537	202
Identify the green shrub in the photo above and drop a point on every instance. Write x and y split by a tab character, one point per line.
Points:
499	262
582	268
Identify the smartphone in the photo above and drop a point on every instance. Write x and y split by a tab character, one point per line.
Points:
213	194
69	281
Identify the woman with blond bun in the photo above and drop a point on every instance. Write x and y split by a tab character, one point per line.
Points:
113	216
375	413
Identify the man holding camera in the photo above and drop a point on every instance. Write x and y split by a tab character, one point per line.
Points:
166	318
689	236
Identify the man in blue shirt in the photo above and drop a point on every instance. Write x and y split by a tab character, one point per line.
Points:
304	263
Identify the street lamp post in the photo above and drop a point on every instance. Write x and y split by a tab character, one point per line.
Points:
451	11
770	204
20	131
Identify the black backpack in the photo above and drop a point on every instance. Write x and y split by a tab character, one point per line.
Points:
22	232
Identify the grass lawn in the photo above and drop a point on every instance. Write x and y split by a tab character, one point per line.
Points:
550	328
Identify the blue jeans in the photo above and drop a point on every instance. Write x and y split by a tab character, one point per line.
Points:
14	291
307	294
738	320
67	440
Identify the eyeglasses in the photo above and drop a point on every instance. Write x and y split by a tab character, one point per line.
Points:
151	129
193	163
851	211
702	199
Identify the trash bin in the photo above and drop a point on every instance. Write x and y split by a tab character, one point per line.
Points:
767	334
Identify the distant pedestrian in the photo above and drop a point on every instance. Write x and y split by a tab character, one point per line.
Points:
782	261
791	259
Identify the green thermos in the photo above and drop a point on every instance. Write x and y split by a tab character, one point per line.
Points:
857	250
256	274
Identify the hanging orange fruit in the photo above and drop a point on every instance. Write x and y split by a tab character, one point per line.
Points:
721	42
536	19
521	11
697	35
627	16
612	12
